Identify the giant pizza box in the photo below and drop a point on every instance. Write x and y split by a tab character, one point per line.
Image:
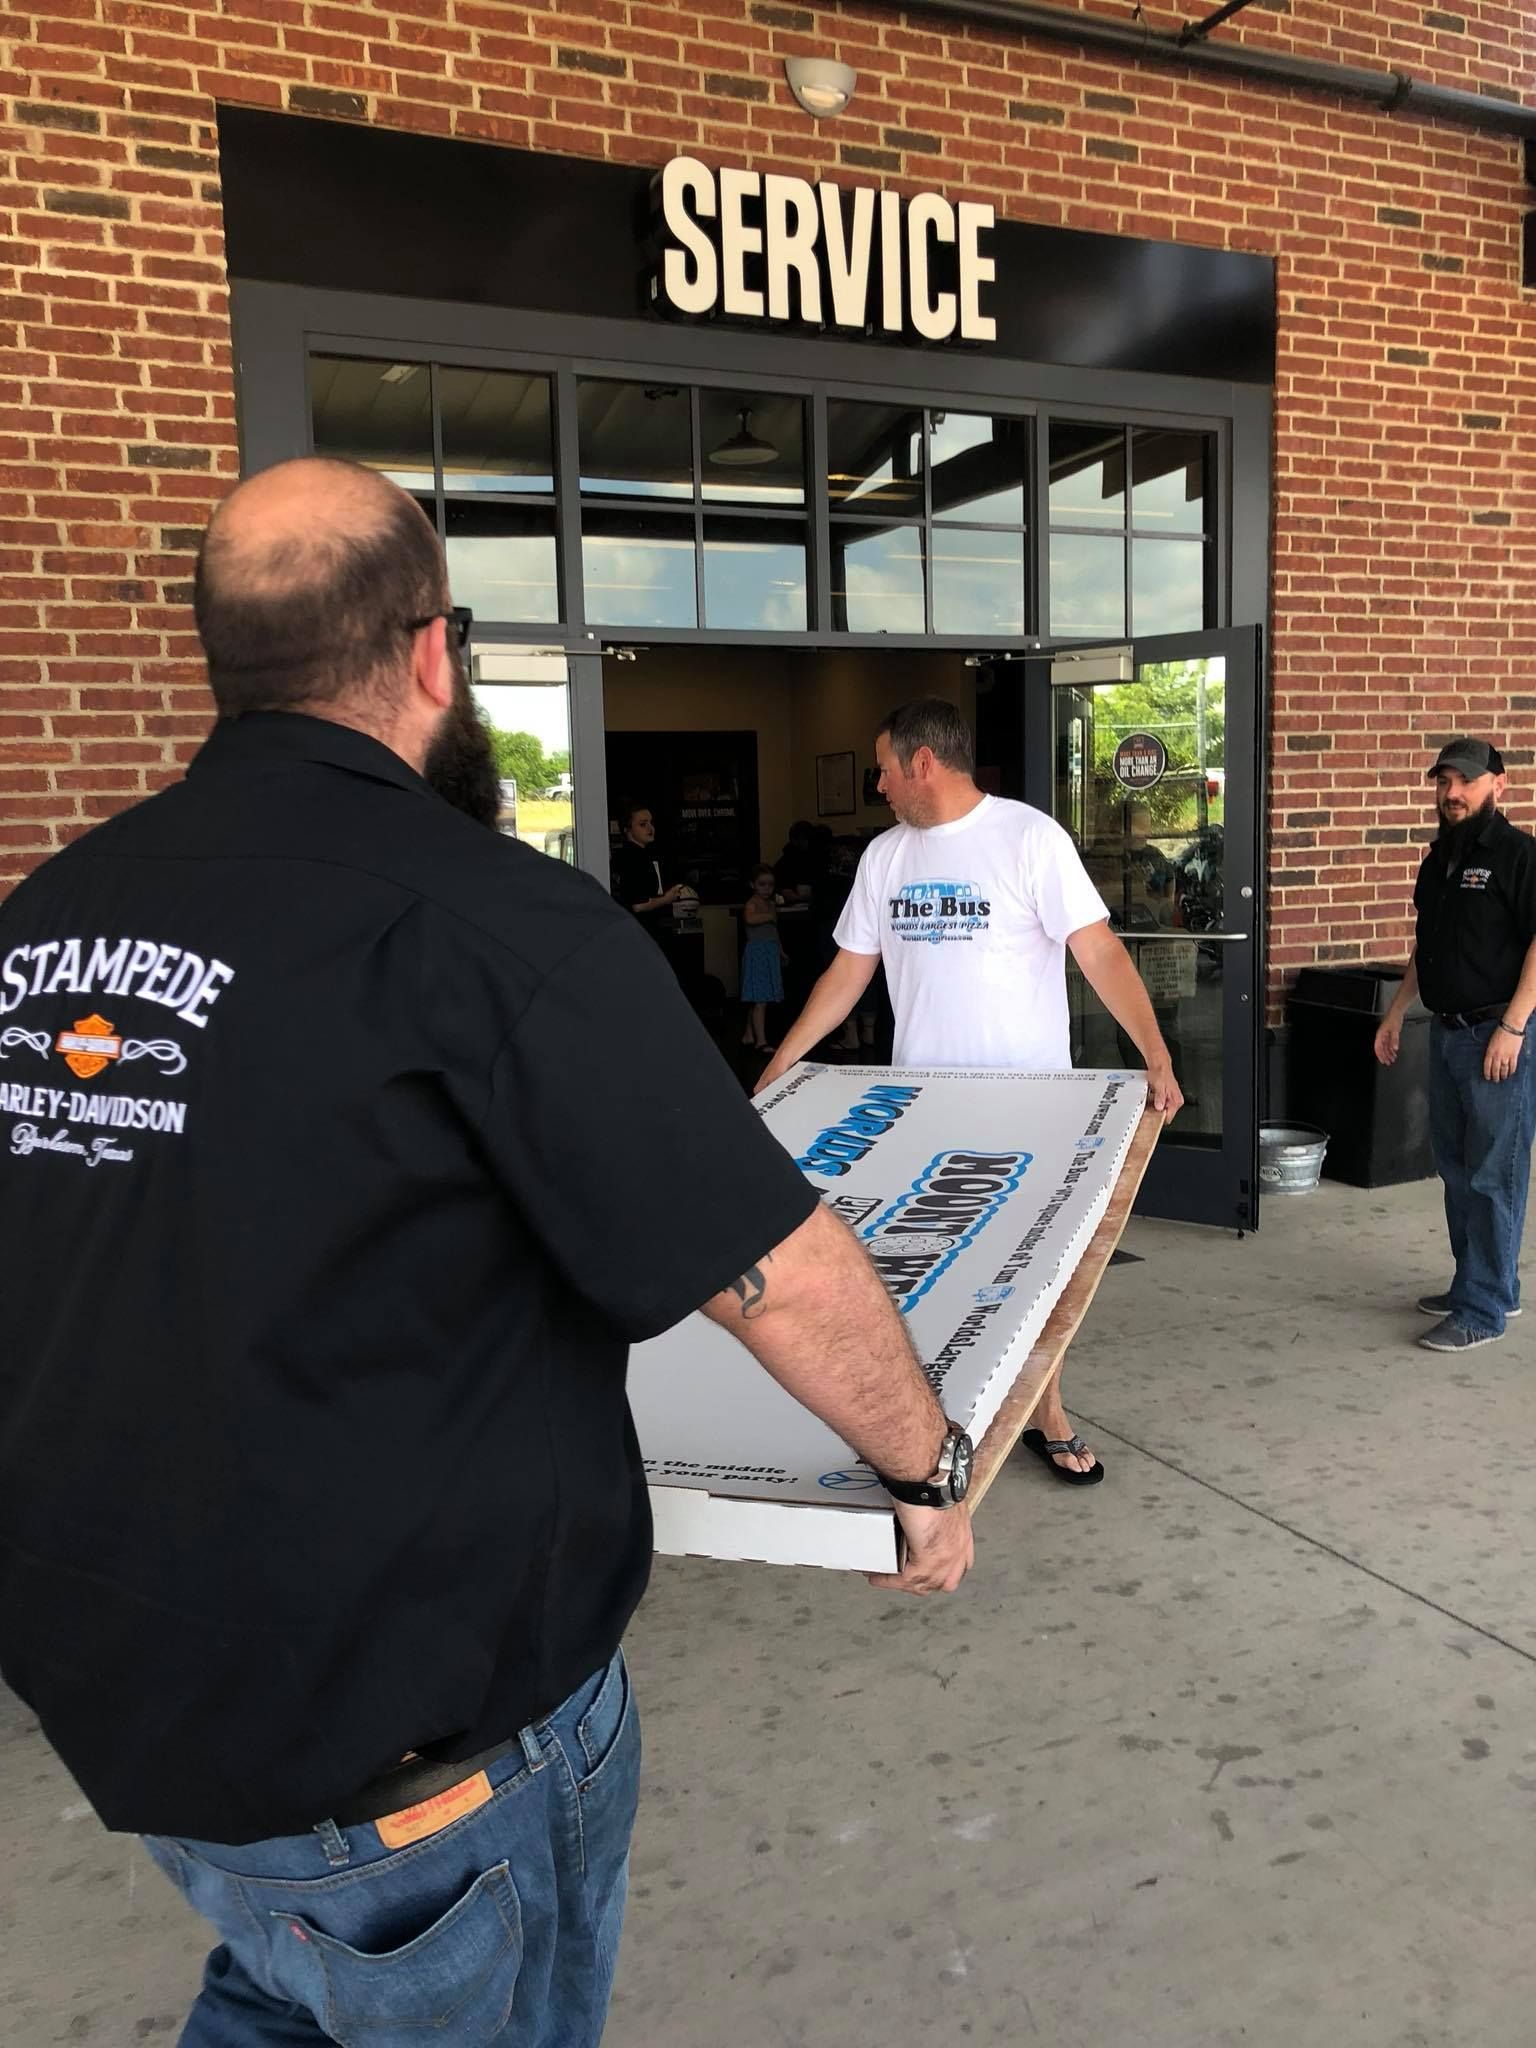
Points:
975	1194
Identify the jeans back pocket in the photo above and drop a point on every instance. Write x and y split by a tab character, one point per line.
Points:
453	1983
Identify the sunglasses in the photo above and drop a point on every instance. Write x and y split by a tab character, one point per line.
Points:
459	616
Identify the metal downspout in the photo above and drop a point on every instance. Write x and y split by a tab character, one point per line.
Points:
1393	91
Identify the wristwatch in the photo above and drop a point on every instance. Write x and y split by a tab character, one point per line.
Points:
948	1482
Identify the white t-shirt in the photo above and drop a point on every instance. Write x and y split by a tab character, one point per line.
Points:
971	919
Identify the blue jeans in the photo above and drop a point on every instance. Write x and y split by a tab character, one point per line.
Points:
1482	1132
504	1926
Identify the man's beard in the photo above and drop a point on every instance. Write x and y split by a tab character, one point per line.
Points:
461	762
1456	834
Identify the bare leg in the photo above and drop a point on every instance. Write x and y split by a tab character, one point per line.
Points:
1050	1418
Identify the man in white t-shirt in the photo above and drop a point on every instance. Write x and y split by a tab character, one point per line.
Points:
971	902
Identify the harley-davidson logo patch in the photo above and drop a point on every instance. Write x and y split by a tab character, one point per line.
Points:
91	1046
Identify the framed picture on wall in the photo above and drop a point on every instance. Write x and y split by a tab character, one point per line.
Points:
834	786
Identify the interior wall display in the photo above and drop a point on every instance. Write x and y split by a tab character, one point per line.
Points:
701	789
872	787
1140	761
834	786
975	1195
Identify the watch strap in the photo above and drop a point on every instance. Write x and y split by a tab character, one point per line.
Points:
938	1489
916	1493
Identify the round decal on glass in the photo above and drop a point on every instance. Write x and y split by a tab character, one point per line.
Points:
1141	760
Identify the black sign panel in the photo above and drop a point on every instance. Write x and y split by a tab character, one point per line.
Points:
425	217
1141	761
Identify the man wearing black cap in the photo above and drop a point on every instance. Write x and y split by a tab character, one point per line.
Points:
1474	962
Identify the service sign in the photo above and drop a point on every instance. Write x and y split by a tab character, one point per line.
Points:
1141	761
974	1195
760	246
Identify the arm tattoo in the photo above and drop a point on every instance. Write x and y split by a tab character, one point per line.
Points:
750	1289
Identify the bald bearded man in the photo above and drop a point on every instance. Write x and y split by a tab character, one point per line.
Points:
321	1511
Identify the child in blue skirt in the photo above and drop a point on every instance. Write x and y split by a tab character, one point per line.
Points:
762	979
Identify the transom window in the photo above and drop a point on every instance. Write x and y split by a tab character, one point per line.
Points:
694	507
927	519
476	449
1131	546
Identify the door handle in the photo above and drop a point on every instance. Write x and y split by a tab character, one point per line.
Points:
1182	938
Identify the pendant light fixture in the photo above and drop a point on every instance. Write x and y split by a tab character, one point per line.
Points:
744	450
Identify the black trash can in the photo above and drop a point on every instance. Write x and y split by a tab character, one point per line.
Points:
1376	1117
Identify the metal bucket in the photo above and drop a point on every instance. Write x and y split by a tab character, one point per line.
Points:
1290	1157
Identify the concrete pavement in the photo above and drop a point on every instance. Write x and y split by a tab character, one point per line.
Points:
1236	1748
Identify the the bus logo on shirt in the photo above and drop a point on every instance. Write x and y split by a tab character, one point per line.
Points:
937	910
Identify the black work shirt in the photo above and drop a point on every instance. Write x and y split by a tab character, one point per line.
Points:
334	1129
1476	921
636	876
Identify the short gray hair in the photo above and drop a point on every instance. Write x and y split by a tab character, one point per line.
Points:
935	723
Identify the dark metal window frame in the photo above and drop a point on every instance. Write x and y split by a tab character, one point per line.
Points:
277	327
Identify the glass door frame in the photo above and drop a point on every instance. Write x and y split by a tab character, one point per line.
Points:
584	713
1191	1183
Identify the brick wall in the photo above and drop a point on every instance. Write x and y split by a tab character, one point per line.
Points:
1404	559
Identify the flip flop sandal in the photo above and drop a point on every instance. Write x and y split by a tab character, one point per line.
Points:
1045	1448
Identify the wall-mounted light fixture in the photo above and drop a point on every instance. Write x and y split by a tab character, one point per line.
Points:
821	85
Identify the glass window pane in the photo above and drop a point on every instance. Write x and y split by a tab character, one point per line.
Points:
1167	586
375	413
1168	480
1087	583
501	561
754	447
638	568
979	467
875	457
754	574
636	439
1156	857
496	433
978	581
1087	474
877	579
524	697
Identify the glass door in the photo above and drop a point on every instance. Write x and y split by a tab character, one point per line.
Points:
1147	752
542	706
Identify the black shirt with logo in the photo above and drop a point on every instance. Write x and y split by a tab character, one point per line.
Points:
1476	919
636	879
334	1134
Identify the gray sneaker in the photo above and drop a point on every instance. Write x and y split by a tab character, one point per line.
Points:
1453	1336
1440	1305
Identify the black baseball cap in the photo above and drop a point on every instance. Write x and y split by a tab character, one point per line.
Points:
1470	758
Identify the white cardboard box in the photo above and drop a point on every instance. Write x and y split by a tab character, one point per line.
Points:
975	1194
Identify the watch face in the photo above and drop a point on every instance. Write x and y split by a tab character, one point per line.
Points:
960	1468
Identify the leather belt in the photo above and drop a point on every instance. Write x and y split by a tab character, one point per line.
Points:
1463	1020
408	1784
